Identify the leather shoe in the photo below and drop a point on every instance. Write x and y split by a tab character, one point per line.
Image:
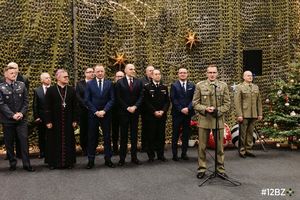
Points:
90	164
121	163
175	158
110	164
184	157
151	160
12	168
250	154
51	167
200	175
222	175
136	161
162	158
29	168
242	155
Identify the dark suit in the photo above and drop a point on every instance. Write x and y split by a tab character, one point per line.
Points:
144	136
83	115
97	101
14	99
181	99
155	99
38	107
115	123
126	98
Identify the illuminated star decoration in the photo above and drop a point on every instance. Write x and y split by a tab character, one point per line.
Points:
191	39
233	87
119	59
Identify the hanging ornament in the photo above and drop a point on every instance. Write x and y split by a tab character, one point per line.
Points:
293	113
119	59
277	145
275	125
266	123
267	100
279	92
292	80
287	101
191	39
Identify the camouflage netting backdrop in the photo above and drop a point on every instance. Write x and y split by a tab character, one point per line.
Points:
42	35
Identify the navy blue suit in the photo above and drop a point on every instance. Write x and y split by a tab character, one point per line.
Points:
181	99
126	98
97	101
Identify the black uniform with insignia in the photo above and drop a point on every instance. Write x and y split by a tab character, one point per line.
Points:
13	99
156	98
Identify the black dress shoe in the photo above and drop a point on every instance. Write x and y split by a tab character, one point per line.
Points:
121	163
250	154
70	167
12	168
90	164
184	157
51	167
175	158
41	156
151	160
110	164
200	175
242	155
29	168
223	175
136	161
162	158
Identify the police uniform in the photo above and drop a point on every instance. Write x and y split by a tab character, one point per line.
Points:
13	99
156	99
204	97
248	105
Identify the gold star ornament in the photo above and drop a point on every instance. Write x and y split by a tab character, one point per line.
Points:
119	59
191	39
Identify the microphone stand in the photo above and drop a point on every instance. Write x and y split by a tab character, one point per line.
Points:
216	135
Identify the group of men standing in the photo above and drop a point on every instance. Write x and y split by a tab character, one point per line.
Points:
113	108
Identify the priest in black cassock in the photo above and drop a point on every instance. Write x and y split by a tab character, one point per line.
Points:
61	119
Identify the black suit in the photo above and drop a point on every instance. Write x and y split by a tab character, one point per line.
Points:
38	107
155	99
83	115
115	124
126	98
144	136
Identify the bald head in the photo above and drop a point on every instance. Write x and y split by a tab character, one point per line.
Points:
119	75
130	70
248	77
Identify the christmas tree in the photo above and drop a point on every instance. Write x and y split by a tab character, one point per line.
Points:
282	118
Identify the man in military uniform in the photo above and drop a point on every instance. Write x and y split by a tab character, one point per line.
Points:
145	80
248	109
156	102
13	109
204	102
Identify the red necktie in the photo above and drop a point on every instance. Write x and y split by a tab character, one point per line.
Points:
130	85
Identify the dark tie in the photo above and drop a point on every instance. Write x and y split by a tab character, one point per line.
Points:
130	84
157	85
183	87
100	86
12	86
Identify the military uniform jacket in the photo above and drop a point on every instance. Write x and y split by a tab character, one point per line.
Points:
204	97
247	101
13	99
155	99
